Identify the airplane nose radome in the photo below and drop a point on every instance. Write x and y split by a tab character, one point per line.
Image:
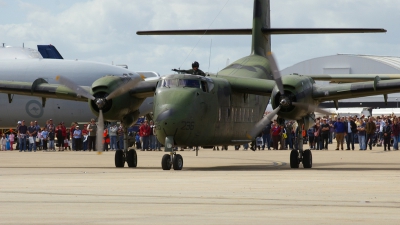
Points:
167	113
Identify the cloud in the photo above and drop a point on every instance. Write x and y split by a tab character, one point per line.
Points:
105	31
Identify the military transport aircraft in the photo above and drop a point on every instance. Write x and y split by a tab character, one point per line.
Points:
28	65
225	108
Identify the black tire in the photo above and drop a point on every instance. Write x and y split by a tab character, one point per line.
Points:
131	158
294	159
178	162
307	159
166	162
119	158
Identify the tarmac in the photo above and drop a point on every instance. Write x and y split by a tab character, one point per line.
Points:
215	187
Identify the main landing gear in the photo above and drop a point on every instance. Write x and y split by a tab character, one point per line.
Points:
172	159
298	155
128	156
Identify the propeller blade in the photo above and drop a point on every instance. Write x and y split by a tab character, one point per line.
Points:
311	108
262	123
125	87
99	134
75	87
275	72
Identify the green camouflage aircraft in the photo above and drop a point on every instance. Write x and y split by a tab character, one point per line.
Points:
225	108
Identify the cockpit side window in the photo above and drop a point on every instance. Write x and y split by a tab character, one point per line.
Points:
204	86
168	83
189	83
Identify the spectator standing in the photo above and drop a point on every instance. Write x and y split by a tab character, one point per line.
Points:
120	133
276	135
60	137
92	128
324	133
266	135
45	137
152	136
350	129
113	137
72	131
3	141
361	135
11	138
289	131
396	133
387	135
106	139
340	132
77	137
370	130
51	139
144	132
32	132
85	135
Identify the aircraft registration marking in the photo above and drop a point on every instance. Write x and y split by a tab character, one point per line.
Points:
187	125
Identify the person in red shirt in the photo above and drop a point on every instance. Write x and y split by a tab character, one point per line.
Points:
276	135
144	133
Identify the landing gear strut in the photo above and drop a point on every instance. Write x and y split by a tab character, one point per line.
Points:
298	155
172	159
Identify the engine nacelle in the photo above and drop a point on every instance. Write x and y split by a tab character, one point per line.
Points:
117	108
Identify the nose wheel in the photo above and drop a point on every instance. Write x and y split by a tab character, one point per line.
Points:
172	160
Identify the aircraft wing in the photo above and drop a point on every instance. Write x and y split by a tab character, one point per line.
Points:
356	90
40	88
144	89
350	78
251	85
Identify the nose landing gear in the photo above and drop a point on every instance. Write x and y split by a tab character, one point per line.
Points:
172	159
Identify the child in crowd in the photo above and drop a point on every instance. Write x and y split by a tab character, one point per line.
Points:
51	140
3	142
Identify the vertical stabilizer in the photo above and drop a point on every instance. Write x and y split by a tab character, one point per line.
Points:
261	43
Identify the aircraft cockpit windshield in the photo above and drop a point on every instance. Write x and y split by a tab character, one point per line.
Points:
205	84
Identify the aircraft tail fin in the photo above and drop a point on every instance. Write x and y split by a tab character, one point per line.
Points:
49	52
261	43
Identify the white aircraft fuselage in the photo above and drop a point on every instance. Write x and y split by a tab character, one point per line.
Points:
28	108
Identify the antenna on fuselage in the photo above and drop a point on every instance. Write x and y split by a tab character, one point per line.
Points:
209	58
23	45
4	45
227	62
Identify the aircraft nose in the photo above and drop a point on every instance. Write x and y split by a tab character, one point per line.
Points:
165	114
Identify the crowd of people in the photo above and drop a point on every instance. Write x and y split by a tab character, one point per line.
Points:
348	131
366	132
52	137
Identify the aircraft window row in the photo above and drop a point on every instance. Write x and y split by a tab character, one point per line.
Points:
190	83
236	115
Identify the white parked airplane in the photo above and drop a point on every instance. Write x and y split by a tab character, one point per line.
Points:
28	65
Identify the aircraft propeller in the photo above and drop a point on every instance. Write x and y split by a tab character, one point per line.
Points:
100	102
262	123
283	102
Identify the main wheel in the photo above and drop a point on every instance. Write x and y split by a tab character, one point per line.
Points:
166	162
131	158
294	159
119	158
178	162
307	159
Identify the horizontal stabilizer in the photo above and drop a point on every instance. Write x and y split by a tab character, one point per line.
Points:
264	30
49	52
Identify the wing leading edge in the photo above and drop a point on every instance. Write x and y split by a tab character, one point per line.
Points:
355	90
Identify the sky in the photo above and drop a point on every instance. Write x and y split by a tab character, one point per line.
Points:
105	30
